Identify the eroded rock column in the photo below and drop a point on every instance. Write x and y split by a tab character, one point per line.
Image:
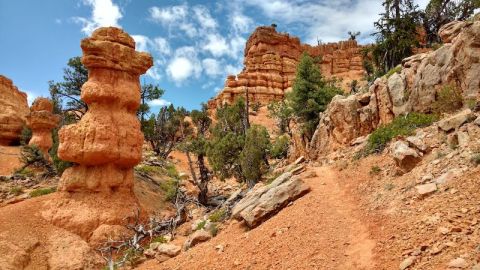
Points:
42	121
107	142
13	110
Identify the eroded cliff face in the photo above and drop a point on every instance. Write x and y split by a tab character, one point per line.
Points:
13	111
107	142
413	89
270	64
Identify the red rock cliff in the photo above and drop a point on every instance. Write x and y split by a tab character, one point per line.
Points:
270	64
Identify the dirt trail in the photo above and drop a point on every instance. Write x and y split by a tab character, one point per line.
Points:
322	230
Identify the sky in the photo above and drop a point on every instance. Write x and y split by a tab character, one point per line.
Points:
195	44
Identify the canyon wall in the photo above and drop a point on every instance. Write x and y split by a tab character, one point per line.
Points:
270	61
413	89
13	111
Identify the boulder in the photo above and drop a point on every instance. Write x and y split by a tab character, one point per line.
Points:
169	250
260	204
456	120
417	141
458	263
450	30
405	157
426	189
197	237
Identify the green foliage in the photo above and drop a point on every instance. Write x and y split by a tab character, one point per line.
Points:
375	170
449	99
400	126
25	172
59	164
280	147
16	191
201	225
213	229
133	256
148	169
311	94
67	93
254	154
31	155
148	93
42	191
172	171
476	159
440	12
159	239
256	106
397	33
282	113
218	215
166	130
26	135
394	70
170	187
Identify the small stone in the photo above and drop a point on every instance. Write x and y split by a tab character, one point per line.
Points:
219	248
457	263
196	238
426	189
407	263
150	252
443	230
169	250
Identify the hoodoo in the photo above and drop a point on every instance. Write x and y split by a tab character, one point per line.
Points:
41	121
107	142
13	110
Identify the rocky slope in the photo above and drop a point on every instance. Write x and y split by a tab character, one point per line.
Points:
270	64
414	88
13	111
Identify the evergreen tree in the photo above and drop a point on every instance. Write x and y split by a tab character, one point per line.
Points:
397	33
311	94
148	93
253	158
441	12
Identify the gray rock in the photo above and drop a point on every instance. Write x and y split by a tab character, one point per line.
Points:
417	142
197	237
407	263
265	201
448	176
396	85
426	189
405	157
455	121
457	263
463	138
169	250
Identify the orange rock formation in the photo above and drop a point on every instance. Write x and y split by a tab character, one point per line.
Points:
13	111
41	121
270	65
107	142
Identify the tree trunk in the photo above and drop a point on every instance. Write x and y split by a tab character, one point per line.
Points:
204	179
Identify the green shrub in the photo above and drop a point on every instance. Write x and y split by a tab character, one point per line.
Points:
159	239
42	191
26	135
394	70
476	158
201	225
375	170
213	229
471	103
133	256
218	215
280	147
172	171
16	191
148	169
256	106
25	172
400	126
449	99
170	187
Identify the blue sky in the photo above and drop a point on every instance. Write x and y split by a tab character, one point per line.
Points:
195	44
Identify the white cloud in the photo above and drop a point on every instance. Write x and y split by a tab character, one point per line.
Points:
159	103
142	42
216	45
212	67
169	14
30	97
104	13
161	45
241	23
202	15
184	65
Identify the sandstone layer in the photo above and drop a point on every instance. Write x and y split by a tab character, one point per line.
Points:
42	121
270	61
107	142
13	111
414	89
